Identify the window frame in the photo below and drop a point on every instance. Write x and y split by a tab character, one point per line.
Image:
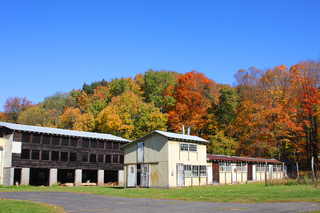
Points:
193	147
184	147
195	170
203	170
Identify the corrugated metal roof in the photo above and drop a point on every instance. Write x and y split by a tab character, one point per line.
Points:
65	132
182	137
240	159
221	158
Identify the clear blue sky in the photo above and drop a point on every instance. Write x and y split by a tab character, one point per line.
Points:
48	46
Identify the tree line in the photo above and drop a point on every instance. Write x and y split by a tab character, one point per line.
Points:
272	113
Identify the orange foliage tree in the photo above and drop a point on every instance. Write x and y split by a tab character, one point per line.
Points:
192	102
306	82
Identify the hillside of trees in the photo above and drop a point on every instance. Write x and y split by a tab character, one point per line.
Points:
271	113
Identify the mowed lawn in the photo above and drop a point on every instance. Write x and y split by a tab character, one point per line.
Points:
238	193
28	206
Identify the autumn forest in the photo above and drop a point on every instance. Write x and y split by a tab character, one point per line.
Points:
272	113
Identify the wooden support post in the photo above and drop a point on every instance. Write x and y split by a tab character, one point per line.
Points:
265	174
312	168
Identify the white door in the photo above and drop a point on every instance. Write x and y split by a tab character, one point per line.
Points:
209	174
234	174
270	172
144	175
132	176
254	172
180	174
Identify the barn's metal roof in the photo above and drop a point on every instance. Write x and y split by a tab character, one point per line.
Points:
212	157
63	132
177	136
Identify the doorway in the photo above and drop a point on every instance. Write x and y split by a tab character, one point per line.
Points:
39	177
249	172
144	176
132	176
234	174
215	172
180	174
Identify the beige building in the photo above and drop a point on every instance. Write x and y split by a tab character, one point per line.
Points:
164	160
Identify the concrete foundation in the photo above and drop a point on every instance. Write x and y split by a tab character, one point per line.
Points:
121	177
53	175
100	177
78	177
25	176
11	176
7	176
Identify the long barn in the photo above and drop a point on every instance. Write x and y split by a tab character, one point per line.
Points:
222	169
45	156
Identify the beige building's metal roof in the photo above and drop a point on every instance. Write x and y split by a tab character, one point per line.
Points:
63	132
173	136
182	137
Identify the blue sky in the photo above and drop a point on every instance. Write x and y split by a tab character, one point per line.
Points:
58	45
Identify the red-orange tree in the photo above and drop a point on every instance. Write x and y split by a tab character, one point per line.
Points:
306	82
192	102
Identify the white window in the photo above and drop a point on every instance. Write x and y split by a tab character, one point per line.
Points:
183	147
277	168
188	147
239	167
203	171
242	167
228	167
260	168
192	147
187	171
222	167
225	167
195	171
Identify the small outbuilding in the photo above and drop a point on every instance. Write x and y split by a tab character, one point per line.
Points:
164	160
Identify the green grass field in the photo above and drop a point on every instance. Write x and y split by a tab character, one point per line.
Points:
238	193
27	206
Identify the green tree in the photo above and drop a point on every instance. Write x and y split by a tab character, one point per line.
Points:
155	85
118	86
89	89
55	105
35	115
221	144
227	108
